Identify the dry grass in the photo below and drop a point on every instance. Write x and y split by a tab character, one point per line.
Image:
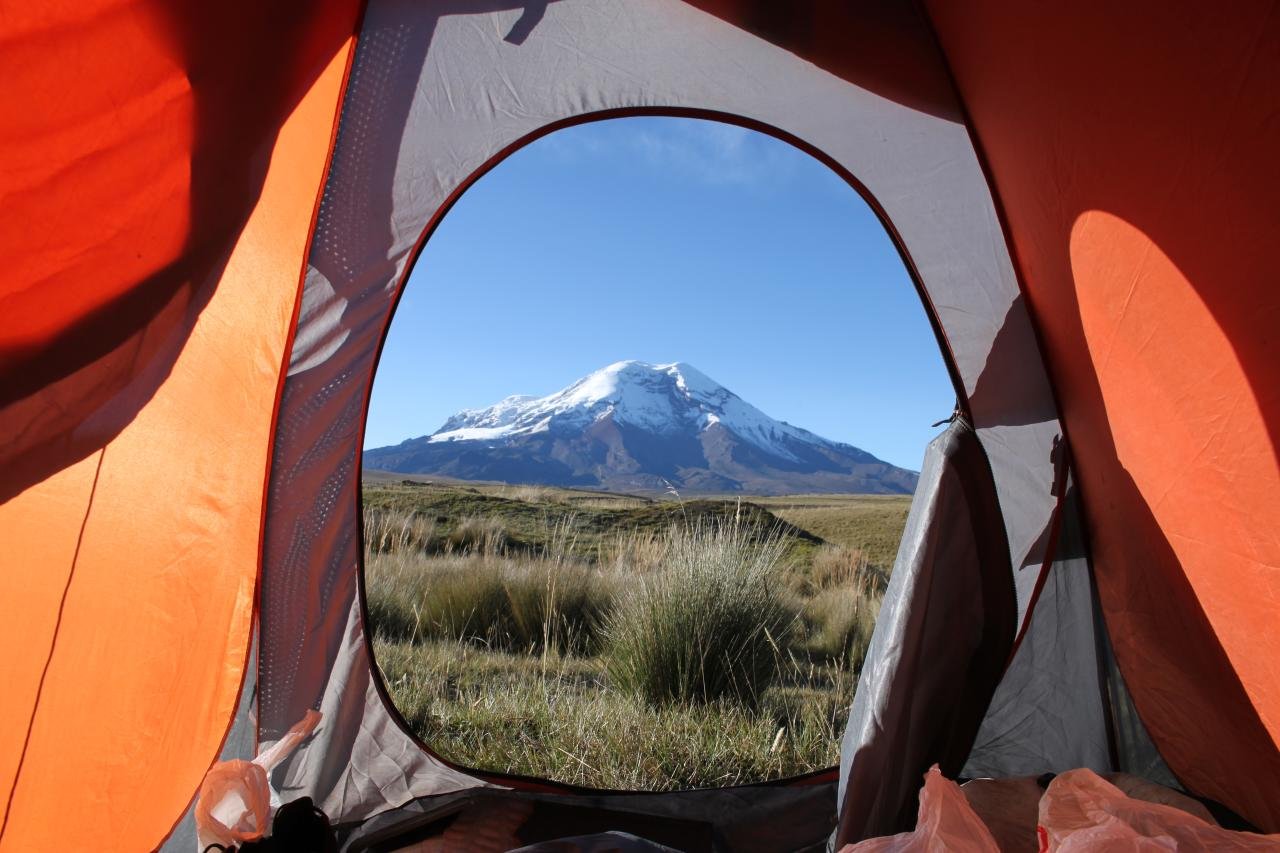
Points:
558	718
477	535
835	566
635	554
475	594
534	494
581	502
840	622
705	652
871	523
394	531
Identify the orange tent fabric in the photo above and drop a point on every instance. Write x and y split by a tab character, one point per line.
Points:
1134	149
166	203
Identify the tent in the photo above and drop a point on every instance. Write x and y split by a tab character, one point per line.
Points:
209	210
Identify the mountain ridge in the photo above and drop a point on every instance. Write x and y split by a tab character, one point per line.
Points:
634	426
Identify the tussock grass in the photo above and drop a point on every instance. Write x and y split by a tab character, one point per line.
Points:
636	553
390	531
710	626
837	565
611	502
840	621
488	601
598	520
534	494
484	534
395	587
841	604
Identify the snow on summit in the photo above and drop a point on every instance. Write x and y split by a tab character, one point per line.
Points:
658	398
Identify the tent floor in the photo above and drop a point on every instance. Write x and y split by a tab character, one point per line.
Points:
759	818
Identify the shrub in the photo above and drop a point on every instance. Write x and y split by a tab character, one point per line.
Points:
710	625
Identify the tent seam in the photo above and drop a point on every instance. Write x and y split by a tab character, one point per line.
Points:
53	645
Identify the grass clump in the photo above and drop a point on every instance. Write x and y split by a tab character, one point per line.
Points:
395	587
488	601
841	620
842	593
842	566
521	520
391	531
709	626
483	535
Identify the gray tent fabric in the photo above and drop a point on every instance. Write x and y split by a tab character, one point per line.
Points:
437	93
1047	715
945	631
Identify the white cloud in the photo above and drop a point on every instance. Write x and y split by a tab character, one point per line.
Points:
710	152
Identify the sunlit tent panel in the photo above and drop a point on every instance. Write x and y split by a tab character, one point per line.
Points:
211	212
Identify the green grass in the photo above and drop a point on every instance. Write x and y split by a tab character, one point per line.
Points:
557	718
622	642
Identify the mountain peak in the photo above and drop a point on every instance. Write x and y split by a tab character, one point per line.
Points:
654	420
617	382
657	398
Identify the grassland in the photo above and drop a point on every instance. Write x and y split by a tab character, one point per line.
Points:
620	641
871	523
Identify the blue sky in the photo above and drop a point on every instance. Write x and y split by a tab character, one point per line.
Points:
667	240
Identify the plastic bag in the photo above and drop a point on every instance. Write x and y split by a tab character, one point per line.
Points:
1082	811
234	802
1010	808
945	822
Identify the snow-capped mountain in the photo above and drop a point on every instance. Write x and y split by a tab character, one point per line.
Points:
639	427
